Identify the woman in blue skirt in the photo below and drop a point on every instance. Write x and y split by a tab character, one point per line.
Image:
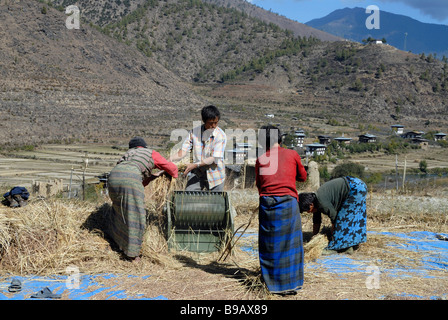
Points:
280	242
343	200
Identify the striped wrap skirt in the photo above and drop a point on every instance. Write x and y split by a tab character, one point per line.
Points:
350	226
280	244
127	222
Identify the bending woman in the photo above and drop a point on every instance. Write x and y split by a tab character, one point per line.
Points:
343	200
126	189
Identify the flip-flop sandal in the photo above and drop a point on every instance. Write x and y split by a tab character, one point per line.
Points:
442	237
15	286
46	293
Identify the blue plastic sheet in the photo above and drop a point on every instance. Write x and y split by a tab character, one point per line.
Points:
87	287
434	254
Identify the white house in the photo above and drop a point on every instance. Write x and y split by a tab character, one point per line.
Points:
439	136
299	138
397	128
315	149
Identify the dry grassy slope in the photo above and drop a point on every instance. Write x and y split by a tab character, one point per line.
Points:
58	84
202	42
79	85
198	40
102	12
39	52
324	85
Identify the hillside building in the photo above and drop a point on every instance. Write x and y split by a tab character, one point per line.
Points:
299	138
235	156
325	140
315	149
367	138
413	135
423	143
397	129
439	136
343	140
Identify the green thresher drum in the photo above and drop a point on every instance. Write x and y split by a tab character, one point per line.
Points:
199	221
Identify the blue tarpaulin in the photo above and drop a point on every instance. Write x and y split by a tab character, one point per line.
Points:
86	288
432	249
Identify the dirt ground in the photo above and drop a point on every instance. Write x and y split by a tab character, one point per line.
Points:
201	277
387	267
384	268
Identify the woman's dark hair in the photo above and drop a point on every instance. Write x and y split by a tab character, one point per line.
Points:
137	142
305	200
210	113
268	136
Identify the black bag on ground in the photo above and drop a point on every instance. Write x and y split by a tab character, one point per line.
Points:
16	197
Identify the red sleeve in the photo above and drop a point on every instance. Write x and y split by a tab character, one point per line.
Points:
301	172
163	164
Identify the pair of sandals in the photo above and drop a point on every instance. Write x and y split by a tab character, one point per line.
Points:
16	286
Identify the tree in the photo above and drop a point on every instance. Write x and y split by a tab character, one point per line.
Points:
357	85
348	169
423	166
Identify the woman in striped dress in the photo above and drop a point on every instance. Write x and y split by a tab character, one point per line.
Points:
126	184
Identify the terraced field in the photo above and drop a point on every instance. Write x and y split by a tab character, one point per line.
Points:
51	162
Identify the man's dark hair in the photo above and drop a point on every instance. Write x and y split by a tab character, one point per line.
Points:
210	113
305	200
269	135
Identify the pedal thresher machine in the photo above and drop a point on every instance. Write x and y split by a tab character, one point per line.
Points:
199	221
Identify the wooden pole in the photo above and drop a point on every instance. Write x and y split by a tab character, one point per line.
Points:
404	171
396	169
70	185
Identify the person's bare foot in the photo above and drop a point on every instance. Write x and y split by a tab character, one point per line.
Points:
135	260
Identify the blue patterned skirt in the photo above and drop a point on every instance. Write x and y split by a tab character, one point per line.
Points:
280	243
351	222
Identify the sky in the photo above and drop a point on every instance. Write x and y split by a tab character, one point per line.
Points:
429	11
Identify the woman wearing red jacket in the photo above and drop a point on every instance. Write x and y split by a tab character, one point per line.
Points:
280	227
126	186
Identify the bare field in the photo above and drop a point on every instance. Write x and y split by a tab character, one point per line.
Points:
380	162
50	162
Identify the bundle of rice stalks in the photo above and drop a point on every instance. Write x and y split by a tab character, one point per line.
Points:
158	191
254	284
155	247
313	249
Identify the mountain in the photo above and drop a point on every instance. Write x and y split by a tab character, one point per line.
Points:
198	40
399	31
146	67
58	84
299	29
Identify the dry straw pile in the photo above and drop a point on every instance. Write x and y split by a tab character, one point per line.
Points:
46	237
